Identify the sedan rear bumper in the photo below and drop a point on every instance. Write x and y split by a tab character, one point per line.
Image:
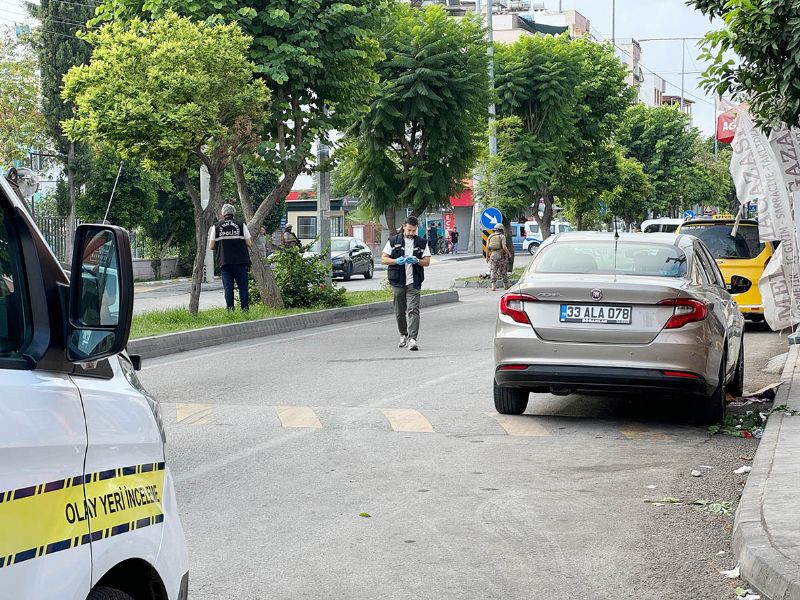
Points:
582	378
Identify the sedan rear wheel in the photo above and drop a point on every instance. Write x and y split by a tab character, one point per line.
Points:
510	401
711	409
736	386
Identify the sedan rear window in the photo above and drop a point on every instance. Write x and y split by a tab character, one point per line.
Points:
607	258
718	239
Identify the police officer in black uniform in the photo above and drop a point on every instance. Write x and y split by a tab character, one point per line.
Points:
231	239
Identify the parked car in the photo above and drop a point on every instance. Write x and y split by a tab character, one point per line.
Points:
661	225
638	314
533	234
744	255
349	256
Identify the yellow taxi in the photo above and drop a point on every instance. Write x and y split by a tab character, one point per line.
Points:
744	255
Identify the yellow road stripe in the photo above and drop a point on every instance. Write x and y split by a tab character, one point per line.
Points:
522	425
298	416
194	414
407	420
639	432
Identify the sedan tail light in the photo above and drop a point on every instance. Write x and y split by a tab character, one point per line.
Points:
686	311
511	305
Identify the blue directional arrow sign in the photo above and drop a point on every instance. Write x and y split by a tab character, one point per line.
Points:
491	217
689	214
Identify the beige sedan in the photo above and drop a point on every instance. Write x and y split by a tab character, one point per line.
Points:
596	313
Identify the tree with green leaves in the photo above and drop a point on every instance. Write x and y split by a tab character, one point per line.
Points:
569	96
630	199
173	94
21	126
666	145
766	39
423	131
135	196
59	49
316	58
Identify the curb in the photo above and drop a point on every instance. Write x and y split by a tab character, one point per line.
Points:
766	531
483	283
194	339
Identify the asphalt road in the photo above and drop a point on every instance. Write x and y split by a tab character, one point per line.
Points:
279	445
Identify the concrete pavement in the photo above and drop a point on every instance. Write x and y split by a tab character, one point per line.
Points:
279	445
767	529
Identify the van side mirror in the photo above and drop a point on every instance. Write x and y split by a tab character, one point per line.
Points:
100	293
739	285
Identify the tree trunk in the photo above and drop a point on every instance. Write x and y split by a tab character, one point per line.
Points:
71	195
262	271
579	221
510	242
546	218
391	220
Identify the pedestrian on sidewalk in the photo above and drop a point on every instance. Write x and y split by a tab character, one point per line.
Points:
454	239
407	255
261	242
497	255
231	240
433	239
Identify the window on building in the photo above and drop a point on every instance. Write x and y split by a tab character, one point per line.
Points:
307	228
337	226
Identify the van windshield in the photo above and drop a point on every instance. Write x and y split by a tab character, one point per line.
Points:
718	238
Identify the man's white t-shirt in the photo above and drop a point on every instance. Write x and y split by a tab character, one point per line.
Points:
387	249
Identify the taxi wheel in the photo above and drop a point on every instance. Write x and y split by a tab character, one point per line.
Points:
107	593
711	409
510	401
736	386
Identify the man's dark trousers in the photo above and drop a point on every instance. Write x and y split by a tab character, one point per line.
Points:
238	274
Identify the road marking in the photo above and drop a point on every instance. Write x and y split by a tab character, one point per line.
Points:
640	432
298	416
194	414
521	425
407	420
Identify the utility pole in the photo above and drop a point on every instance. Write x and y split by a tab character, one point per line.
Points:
324	205
614	23
716	141
490	42
683	69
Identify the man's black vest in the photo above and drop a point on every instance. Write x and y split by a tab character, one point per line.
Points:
231	247
397	273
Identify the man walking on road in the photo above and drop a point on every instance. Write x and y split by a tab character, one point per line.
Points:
231	239
497	255
406	255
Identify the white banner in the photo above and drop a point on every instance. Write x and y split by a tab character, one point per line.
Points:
759	177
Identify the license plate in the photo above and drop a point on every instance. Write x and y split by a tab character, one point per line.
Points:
592	313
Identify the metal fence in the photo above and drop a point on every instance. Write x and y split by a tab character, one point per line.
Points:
56	233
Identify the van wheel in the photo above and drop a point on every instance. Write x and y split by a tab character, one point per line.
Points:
510	401
533	248
107	593
736	386
711	409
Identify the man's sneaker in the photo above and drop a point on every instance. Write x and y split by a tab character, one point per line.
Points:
403	341
412	344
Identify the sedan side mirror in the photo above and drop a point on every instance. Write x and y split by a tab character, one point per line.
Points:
100	293
739	285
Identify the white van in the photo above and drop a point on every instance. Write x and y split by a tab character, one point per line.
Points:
661	225
533	234
87	504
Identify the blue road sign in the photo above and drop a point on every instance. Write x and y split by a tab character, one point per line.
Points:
689	214
491	217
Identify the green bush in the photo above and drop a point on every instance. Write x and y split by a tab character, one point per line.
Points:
301	280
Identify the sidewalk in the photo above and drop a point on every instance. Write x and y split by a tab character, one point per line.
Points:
766	536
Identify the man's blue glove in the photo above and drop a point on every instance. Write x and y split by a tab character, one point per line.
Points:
402	260
412	260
